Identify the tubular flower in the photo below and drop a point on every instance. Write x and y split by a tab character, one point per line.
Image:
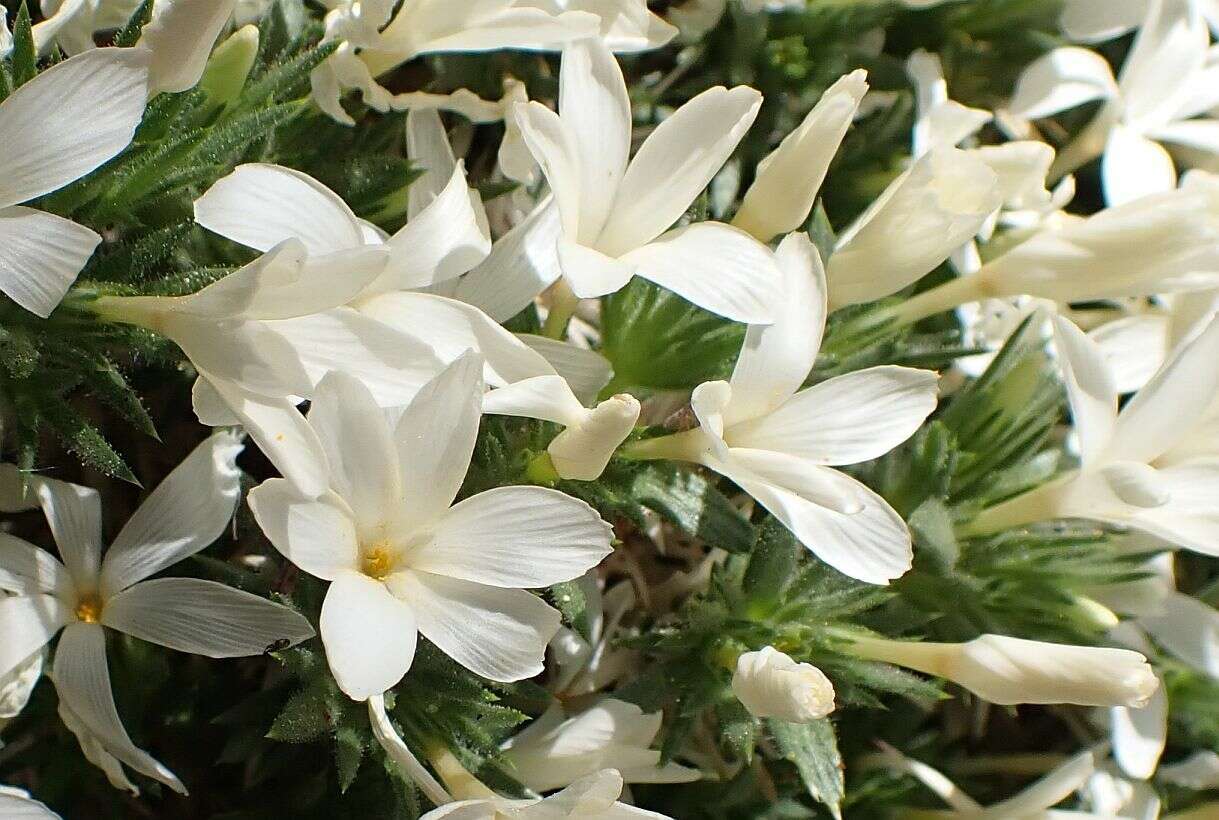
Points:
400	559
87	593
778	442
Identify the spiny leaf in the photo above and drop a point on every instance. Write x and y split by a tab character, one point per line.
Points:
24	57
84	440
813	748
130	33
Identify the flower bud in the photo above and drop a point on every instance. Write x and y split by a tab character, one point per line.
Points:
783	193
581	452
229	67
1008	670
770	684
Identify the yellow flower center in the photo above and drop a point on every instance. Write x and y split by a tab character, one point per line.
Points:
378	561
89	609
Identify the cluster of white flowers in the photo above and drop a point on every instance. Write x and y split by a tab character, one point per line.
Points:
397	344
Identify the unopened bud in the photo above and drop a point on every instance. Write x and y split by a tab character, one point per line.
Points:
770	684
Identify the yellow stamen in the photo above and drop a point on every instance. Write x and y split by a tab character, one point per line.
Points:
89	609
378	562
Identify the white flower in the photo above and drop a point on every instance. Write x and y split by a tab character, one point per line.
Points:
55	129
1007	671
1149	467
594	797
1167	81
180	36
430	26
786	185
16	804
262	205
1034	802
616	212
770	684
778	442
939	204
88	593
1098	20
553	751
400	560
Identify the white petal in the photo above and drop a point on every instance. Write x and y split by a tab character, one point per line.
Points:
27	623
74	514
523	263
391	364
13	807
1062	79
553	145
1090	388
1173	402
583	450
686	150
427	145
286	282
515	537
204	618
1190	519
282	434
25	569
82	678
499	634
210	407
847	419
70	119
776	359
1046	792
369	635
261	205
445	240
787	181
586	371
316	534
1200	134
1138	735
870	543
1189	629
594	105
187	511
435	440
1168	52
940	203
549	398
1099	20
590	273
40	257
181	36
1134	347
717	267
359	449
451	328
1134	167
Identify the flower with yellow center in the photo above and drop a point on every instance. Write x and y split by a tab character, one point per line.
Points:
87	594
400	559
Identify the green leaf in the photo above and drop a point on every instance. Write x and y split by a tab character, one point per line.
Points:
24	57
349	751
572	603
130	33
303	719
690	500
813	748
738	729
84	440
657	340
772	566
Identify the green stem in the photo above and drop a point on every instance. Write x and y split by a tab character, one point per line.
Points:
563	306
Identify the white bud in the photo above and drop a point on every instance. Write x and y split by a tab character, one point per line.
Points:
787	182
1008	670
581	452
770	684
